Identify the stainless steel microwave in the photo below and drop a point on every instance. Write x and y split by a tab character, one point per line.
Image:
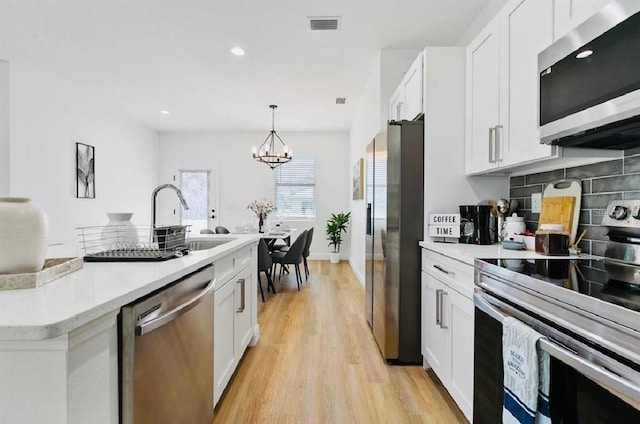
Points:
589	82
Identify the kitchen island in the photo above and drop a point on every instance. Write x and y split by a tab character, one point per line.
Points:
59	342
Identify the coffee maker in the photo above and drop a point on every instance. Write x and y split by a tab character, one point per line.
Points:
477	225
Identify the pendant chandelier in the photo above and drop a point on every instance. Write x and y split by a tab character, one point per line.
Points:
268	151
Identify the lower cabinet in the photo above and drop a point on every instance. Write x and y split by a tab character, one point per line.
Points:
233	328
447	323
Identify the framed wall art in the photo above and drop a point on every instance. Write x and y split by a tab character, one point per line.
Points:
85	171
358	180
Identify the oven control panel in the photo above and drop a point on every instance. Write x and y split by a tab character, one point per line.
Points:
622	213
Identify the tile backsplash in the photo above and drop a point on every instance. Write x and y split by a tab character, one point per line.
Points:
601	182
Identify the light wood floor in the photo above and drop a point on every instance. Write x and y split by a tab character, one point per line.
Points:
317	362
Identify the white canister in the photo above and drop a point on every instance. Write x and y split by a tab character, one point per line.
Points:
514	227
23	236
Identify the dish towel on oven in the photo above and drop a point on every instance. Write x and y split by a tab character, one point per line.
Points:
526	375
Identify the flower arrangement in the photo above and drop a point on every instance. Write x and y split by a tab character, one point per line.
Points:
261	207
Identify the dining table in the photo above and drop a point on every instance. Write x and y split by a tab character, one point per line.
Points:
275	234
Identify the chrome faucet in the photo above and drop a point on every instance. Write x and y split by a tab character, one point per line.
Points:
154	196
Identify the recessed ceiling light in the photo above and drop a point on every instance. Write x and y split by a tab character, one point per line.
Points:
584	53
164	112
237	50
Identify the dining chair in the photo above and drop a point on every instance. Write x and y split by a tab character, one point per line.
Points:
291	257
221	230
206	231
264	265
305	252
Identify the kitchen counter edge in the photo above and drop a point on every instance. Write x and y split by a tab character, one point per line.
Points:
98	289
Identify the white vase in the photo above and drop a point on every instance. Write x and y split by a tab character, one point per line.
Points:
119	233
23	236
334	257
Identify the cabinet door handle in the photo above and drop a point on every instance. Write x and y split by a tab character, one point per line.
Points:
498	137
439	268
442	295
242	305
438	307
492	145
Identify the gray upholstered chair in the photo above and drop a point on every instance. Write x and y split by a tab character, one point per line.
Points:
221	230
291	257
264	265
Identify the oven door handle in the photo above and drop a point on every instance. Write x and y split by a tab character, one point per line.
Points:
607	379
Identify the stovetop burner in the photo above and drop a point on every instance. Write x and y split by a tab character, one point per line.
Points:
607	280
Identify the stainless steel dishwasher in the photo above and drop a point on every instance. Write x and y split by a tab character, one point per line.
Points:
166	354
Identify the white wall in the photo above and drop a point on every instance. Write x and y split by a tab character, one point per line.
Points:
48	115
4	128
242	179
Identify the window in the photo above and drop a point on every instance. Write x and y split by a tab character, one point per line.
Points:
296	188
195	189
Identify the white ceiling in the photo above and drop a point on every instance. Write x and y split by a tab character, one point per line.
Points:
148	55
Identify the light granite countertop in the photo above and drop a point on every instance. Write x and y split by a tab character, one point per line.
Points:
98	289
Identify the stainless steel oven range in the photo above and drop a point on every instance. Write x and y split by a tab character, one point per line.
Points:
589	312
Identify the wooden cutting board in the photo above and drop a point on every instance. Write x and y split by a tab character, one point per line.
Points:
566	188
558	210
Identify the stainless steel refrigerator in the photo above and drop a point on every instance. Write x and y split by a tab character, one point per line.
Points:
395	216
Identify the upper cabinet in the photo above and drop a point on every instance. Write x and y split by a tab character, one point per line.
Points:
569	14
526	28
502	133
502	80
407	102
483	100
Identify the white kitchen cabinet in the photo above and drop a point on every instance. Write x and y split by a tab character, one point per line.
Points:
242	303
407	100
571	13
501	129
448	324
483	100
502	81
413	88
526	28
396	105
234	314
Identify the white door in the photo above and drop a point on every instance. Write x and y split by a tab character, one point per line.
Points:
437	338
483	96
460	326
200	189
224	356
571	13
412	83
526	26
396	105
244	291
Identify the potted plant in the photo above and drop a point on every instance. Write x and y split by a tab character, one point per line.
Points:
335	226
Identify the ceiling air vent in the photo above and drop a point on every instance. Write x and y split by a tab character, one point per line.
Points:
341	100
324	23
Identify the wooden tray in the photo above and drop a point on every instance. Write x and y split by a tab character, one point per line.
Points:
53	269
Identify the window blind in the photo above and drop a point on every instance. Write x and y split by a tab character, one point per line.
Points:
295	195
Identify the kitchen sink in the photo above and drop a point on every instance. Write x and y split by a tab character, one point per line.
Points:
207	244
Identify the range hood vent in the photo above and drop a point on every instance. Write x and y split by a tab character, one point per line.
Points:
324	23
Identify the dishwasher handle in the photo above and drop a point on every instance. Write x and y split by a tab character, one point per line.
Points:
175	312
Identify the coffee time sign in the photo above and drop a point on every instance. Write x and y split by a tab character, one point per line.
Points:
444	225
